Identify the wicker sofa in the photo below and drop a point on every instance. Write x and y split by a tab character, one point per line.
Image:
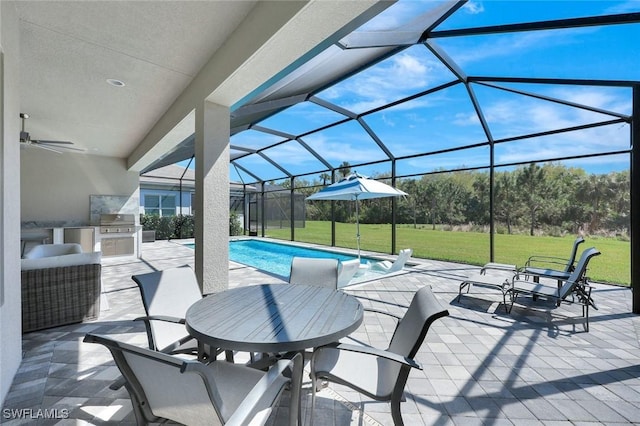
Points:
60	285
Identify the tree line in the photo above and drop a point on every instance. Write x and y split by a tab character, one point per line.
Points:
550	199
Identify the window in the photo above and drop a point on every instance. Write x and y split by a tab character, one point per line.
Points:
160	205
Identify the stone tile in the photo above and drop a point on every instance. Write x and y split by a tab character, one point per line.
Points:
481	366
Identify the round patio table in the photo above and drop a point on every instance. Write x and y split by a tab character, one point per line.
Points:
274	318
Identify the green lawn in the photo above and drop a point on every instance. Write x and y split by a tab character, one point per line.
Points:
612	266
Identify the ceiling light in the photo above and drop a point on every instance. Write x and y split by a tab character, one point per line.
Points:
114	82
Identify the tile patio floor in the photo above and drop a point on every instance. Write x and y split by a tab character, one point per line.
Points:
481	365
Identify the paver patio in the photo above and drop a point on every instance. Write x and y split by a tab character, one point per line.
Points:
481	365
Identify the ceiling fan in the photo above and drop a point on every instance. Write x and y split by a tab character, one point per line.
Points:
25	140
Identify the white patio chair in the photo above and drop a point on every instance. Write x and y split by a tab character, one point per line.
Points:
347	270
380	374
321	272
164	387
166	296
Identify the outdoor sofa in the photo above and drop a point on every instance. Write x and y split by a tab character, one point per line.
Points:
60	285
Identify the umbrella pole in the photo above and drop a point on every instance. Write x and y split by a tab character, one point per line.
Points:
357	228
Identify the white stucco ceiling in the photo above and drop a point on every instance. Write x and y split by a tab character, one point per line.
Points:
166	52
69	49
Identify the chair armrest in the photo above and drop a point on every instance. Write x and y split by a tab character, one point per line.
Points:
245	411
499	267
550	260
161	318
147	325
378	311
369	350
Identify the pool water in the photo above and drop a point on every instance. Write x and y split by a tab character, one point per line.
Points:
276	258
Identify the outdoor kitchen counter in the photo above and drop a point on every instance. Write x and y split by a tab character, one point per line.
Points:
111	244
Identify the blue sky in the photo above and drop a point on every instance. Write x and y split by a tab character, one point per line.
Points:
447	119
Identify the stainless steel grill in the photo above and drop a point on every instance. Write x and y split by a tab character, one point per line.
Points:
113	223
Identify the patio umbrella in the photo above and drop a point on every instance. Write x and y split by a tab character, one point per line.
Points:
355	188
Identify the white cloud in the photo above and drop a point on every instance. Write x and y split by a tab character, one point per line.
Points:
391	18
389	122
354	148
399	76
628	6
473	7
487	48
601	139
528	115
464	119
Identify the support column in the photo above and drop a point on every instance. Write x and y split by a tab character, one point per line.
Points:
212	197
635	200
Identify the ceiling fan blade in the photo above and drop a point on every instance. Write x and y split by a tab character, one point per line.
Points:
25	140
52	145
37	145
56	142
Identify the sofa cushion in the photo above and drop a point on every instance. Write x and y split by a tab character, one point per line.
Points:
48	250
60	261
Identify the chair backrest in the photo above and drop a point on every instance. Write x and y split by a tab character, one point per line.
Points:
170	293
314	271
574	252
414	325
50	250
347	270
402	258
578	273
159	389
408	337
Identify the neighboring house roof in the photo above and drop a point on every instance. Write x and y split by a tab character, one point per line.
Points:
169	177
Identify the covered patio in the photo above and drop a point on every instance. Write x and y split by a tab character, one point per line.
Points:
481	365
222	106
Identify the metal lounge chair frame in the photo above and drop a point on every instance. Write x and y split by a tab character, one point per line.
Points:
482	279
576	285
164	387
341	362
532	266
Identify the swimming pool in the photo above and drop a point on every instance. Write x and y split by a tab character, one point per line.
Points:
275	257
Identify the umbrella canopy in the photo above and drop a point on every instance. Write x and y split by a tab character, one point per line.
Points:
356	187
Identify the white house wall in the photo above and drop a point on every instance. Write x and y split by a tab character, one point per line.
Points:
57	187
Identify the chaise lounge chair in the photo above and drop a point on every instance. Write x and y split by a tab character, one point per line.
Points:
548	266
576	285
397	265
499	279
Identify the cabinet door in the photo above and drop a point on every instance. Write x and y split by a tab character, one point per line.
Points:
108	247
124	245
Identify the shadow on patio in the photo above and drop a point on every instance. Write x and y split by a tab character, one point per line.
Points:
481	365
